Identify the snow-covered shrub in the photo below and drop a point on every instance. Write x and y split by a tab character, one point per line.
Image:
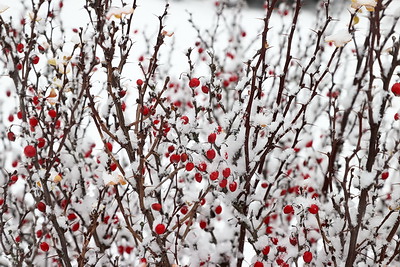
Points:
274	143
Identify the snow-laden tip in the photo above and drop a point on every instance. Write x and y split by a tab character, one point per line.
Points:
3	8
340	38
368	4
119	11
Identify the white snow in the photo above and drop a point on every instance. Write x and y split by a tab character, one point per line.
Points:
340	38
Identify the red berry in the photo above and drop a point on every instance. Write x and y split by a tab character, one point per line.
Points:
145	111
156	206
11	136
121	250
189	166
35	59
396	116
122	93
14	178
71	216
19	66
218	209
212	137
30	151
288	209
64	203
159	229
233	186
57	124
109	146
198	177
384	175
175	158
20	48
39	233
205	89
184	157
35	100
258	264
307	256
214	175
226	172
313	209
113	166
266	250
293	241
309	143
33	121
202	166
44	246
41	142
281	249
41	206
139	82
194	82
223	183
11	118
396	89
210	154
52	113
203	224
184	210
75	227
185	119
